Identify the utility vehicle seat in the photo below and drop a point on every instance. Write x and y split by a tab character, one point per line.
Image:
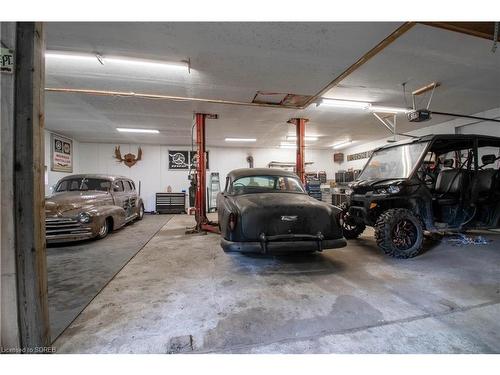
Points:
449	184
484	181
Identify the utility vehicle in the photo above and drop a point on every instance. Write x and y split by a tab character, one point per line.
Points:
435	183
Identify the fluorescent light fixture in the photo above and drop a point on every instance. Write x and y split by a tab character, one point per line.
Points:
143	63
307	138
383	109
288	145
341	144
70	56
345	103
132	130
240	139
104	60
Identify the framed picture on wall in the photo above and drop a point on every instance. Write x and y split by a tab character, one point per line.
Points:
61	151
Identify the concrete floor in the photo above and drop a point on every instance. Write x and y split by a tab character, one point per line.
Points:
183	294
77	271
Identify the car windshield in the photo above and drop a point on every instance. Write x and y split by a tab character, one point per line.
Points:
393	162
265	184
83	184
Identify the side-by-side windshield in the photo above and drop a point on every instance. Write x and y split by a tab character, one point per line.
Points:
393	162
262	184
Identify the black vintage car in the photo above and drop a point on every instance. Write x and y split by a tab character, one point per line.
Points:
267	211
435	183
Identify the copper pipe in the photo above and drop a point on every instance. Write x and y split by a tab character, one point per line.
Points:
426	88
163	97
362	60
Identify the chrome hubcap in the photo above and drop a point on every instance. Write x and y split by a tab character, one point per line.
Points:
104	229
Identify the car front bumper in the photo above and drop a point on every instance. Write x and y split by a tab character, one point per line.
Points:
63	229
283	244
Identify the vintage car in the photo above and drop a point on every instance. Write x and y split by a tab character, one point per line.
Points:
263	210
90	206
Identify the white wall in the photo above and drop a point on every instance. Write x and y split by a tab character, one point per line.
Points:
456	126
53	177
152	171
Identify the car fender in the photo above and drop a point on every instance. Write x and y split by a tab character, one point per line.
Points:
117	213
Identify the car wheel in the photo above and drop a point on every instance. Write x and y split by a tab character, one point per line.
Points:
350	228
141	212
104	229
399	233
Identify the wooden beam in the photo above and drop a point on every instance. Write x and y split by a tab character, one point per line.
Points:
29	215
483	30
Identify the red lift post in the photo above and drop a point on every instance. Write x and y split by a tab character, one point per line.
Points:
200	202
300	127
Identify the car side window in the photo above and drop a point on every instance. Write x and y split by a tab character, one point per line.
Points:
132	185
118	186
126	186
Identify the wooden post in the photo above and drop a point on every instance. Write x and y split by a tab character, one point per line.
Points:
9	317
29	215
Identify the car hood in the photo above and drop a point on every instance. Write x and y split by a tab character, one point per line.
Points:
59	203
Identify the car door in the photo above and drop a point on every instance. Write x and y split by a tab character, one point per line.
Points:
131	194
120	196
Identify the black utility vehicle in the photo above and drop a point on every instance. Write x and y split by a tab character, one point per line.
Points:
435	183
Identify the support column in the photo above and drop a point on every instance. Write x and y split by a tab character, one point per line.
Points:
300	127
201	173
9	328
202	222
29	215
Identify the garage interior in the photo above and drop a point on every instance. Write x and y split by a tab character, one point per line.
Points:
316	104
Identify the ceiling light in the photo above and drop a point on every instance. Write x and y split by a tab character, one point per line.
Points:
240	139
104	60
144	63
345	103
382	109
288	145
341	144
132	130
71	56
307	138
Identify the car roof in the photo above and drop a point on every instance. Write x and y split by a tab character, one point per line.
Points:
101	176
248	172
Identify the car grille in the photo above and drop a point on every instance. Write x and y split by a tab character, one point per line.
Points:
64	226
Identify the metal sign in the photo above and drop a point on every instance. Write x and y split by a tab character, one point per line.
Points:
6	60
183	160
62	154
359	156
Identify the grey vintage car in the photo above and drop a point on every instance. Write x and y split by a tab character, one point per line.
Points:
268	211
90	206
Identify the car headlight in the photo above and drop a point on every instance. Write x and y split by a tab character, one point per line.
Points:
84	217
393	189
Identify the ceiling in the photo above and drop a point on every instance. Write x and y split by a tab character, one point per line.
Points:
232	61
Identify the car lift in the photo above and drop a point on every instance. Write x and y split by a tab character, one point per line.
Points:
300	126
200	200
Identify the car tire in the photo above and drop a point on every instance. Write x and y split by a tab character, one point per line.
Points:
351	230
399	233
104	229
141	212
